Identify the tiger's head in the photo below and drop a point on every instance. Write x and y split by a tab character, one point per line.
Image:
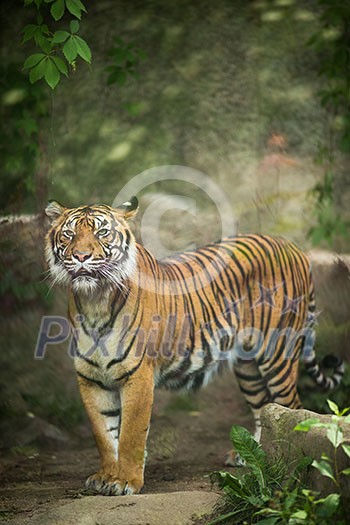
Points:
91	247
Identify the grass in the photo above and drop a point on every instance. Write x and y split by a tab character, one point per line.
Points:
185	402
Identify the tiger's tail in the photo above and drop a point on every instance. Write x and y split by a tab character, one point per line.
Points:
312	367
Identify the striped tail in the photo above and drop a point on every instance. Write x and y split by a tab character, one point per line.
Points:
323	382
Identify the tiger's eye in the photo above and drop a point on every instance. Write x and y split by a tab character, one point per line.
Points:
103	232
68	233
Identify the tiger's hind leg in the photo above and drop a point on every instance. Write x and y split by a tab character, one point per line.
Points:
283	386
268	382
255	389
281	377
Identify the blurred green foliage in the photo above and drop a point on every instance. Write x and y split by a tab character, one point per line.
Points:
186	402
316	401
330	336
23	108
332	43
125	58
21	283
64	412
330	223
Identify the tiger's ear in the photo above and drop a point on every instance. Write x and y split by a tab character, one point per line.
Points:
54	210
129	208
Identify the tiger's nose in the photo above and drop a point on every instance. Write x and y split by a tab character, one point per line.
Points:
81	256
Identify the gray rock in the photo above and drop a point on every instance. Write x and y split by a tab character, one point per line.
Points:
175	508
331	275
38	430
278	439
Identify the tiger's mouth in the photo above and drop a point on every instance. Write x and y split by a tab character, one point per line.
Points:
95	274
82	272
103	273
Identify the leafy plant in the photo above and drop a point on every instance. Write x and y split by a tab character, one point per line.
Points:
59	48
270	495
247	495
327	466
126	57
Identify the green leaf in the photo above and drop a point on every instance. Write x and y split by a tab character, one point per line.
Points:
227	480
37	72
70	49
249	450
29	32
224	517
306	492
269	521
301	465
324	468
74	26
28	125
33	60
42	42
57	10
75	7
119	55
246	446
346	449
61	65
304	426
83	49
335	435
333	406
291	498
132	57
117	77
299	515
59	37
346	471
52	74
328	505
80	5
44	29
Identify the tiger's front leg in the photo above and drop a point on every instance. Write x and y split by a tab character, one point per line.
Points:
120	425
103	409
137	400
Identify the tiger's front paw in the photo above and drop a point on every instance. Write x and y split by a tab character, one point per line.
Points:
233	459
109	484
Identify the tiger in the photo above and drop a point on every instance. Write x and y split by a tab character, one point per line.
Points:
138	323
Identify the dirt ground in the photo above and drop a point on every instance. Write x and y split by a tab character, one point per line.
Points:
188	440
